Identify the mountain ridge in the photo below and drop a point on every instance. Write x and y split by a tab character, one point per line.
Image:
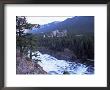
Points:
77	24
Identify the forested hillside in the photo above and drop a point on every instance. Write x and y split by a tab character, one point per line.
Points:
71	40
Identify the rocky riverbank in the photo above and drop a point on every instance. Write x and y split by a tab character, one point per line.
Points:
67	55
26	66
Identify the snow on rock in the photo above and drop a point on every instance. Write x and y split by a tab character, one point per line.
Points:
54	66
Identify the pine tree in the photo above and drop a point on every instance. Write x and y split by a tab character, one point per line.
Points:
20	26
25	42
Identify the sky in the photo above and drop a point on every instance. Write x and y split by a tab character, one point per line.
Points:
45	20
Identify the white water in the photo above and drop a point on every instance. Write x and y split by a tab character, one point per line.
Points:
54	66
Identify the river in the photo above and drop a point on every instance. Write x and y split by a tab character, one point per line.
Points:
54	66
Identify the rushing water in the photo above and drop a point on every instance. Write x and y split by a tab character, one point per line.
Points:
54	66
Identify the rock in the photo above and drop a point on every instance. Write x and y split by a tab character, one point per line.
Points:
65	72
66	55
39	69
25	65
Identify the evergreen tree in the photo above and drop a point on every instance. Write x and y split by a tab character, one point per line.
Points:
25	42
20	26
